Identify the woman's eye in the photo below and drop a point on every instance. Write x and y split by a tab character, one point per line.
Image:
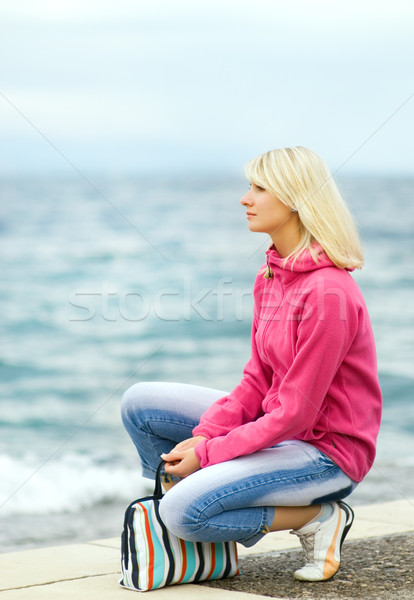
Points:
257	187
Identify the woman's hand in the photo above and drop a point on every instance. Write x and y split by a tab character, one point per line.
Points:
190	443
182	460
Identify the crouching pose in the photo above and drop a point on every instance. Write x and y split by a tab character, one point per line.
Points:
298	433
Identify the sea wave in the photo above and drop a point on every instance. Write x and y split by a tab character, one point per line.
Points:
67	484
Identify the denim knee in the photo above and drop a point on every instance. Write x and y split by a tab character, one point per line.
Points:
131	401
181	519
188	517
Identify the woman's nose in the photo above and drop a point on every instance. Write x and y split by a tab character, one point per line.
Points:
246	200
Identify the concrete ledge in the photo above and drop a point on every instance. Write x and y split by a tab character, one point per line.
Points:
49	565
106	588
90	571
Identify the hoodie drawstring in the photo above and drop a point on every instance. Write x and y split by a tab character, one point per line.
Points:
268	274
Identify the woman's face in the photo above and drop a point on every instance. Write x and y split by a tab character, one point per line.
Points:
265	213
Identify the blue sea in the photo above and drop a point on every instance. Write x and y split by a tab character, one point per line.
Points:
108	280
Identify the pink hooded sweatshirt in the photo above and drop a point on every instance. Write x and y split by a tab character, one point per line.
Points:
312	374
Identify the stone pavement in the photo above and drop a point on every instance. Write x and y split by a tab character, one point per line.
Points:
91	570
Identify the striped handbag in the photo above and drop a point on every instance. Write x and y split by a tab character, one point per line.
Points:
152	557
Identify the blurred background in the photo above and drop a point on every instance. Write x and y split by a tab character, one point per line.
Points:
125	253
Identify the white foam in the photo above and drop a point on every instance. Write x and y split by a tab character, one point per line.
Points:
64	484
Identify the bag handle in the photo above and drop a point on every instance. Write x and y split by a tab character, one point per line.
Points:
158	487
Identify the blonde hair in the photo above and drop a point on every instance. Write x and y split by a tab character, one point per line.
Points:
300	179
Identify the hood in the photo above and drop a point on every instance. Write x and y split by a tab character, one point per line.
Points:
303	264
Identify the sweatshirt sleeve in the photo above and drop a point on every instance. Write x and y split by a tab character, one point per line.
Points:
294	405
243	404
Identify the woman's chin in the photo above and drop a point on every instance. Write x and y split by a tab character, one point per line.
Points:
255	228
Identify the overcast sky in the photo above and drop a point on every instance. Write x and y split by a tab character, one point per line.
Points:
152	85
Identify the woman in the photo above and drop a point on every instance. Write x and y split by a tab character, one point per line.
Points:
299	432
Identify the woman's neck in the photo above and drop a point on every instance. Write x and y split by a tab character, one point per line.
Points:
287	237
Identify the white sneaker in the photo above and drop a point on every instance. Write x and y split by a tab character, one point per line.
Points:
322	544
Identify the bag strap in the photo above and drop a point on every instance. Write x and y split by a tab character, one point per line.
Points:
158	486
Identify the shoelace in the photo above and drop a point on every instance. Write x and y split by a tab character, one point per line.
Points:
307	541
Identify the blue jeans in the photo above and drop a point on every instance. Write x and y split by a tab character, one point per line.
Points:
232	500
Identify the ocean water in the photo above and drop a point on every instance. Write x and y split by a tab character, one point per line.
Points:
122	279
